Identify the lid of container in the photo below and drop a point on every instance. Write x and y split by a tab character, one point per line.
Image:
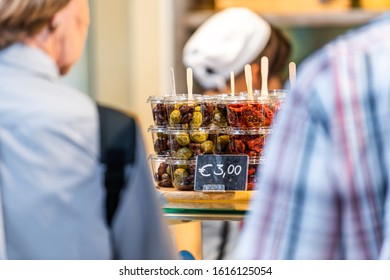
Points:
159	129
191	130
249	131
156	98
158	157
181	161
257	97
257	160
272	94
182	98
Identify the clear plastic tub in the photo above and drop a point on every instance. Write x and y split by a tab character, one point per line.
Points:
159	110
248	141
222	141
187	144
220	113
160	140
255	165
183	174
183	113
161	171
256	112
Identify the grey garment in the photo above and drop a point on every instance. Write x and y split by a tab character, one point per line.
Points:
51	177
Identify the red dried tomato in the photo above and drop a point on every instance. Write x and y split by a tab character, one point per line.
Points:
256	144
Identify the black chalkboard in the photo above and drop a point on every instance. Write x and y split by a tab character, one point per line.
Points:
220	173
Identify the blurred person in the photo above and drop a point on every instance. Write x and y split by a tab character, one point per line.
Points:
230	39
323	193
51	180
226	42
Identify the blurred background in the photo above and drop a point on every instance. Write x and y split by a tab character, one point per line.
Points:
133	44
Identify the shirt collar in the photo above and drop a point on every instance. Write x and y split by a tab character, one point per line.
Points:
30	58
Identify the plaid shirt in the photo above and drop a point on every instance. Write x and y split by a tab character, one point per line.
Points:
323	192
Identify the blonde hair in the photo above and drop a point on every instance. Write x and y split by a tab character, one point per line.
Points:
20	19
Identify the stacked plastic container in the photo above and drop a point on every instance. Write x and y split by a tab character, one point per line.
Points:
220	124
250	119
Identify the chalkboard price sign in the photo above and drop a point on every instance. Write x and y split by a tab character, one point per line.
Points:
218	173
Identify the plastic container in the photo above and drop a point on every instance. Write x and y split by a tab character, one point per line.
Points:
277	96
183	174
160	140
161	171
183	113
220	113
256	112
222	141
247	141
159	110
255	165
187	144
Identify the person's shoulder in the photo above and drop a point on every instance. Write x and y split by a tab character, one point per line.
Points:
353	42
64	101
361	39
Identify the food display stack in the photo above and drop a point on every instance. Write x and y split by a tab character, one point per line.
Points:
220	124
250	119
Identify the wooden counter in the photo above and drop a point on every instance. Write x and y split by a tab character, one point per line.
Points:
192	205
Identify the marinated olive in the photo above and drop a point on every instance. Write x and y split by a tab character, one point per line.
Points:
186	118
196	119
184	153
160	114
180	174
207	147
220	119
162	168
222	143
162	176
175	117
165	183
161	146
168	169
208	112
195	148
178	105
182	139
185	109
199	136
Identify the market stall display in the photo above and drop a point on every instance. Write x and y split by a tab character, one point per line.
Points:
189	125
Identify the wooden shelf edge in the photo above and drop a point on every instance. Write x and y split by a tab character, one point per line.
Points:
193	196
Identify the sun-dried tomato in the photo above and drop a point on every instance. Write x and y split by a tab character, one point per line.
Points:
256	144
251	170
268	115
239	146
250	115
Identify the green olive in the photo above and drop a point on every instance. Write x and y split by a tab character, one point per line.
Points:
178	105
220	119
182	139
199	136
222	142
168	170
207	147
178	185
180	174
196	120
175	117
184	153
197	108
